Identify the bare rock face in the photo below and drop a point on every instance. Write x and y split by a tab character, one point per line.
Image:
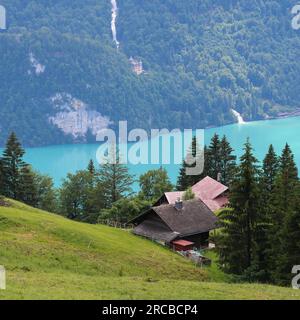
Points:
74	117
36	65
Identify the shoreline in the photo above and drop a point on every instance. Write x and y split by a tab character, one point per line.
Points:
285	115
280	116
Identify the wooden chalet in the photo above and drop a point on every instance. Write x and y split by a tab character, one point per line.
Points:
190	221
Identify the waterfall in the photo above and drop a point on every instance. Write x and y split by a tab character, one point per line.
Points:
2	18
238	116
114	16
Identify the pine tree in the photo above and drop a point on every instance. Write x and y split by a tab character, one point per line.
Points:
283	201
288	178
91	168
237	244
290	255
115	179
270	169
267	185
12	165
227	162
283	195
1	178
207	163
184	180
214	154
28	187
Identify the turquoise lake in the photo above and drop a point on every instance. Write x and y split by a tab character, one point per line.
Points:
57	161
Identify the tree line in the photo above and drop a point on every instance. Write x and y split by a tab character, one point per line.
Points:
260	235
89	195
20	182
219	163
259	238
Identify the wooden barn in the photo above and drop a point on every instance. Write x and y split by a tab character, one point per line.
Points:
190	221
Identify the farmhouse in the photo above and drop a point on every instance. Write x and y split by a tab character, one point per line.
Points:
137	66
213	193
183	224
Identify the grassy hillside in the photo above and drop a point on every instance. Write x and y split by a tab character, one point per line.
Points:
49	257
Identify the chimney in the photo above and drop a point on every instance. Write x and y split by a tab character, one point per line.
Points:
179	204
219	178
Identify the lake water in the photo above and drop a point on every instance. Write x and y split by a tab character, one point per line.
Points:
57	161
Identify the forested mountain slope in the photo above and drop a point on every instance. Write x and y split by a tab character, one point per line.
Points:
63	78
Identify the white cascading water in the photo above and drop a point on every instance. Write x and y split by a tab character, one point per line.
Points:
114	16
238	116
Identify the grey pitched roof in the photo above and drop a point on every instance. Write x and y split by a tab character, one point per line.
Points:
154	231
195	217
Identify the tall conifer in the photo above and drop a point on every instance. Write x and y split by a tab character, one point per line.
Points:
214	154
227	162
184	180
238	243
283	207
12	165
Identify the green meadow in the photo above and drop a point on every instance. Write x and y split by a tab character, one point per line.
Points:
49	257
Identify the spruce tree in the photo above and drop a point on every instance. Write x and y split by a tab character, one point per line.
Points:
115	180
267	185
184	180
207	163
1	178
91	168
290	255
288	177
227	162
283	207
237	245
214	154
28	187
12	166
270	169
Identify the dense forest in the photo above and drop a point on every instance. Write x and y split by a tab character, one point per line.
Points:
200	60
